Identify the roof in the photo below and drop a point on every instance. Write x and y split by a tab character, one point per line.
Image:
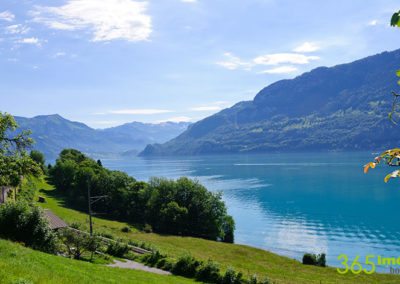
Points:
55	222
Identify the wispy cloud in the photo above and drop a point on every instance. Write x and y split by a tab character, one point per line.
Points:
59	54
373	23
284	58
17	29
138	111
213	106
280	70
233	62
107	19
7	16
30	40
189	1
176	119
206	108
307	47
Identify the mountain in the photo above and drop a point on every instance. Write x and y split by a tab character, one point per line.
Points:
52	133
344	107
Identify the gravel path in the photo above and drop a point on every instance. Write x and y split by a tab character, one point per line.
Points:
138	266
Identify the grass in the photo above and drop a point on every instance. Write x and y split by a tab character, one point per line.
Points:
20	265
242	258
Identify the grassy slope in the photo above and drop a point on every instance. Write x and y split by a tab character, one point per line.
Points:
18	263
244	258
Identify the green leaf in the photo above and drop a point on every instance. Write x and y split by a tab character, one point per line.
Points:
394	21
398	73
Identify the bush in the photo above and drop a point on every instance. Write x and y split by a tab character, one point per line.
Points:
23	223
313	259
309	259
186	266
126	229
147	228
153	258
321	260
117	249
231	277
208	272
77	243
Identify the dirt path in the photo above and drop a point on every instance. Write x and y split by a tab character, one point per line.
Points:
138	266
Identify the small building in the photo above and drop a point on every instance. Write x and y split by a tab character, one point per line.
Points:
55	222
4	191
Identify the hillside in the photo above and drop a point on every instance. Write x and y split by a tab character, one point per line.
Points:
344	107
243	258
54	133
22	265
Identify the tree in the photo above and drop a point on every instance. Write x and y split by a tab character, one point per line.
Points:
15	163
39	158
77	242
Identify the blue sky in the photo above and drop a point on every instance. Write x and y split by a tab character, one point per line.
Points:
114	61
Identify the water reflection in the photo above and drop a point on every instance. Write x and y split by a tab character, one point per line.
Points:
296	203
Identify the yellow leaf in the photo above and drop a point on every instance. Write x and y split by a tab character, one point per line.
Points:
392	175
386	179
369	165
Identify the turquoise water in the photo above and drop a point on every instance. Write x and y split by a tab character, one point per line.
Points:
295	203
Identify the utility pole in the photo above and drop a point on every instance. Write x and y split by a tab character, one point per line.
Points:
90	210
91	201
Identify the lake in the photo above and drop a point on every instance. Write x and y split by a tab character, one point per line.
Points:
295	203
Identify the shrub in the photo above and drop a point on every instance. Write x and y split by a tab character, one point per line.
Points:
117	249
23	223
77	243
253	279
186	266
153	258
208	272
321	260
313	259
168	265
126	229
231	277
147	228
309	259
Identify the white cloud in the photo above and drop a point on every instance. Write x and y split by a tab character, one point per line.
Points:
284	58
189	1
307	47
214	106
107	19
233	62
176	119
7	16
373	23
17	29
30	40
139	111
280	70
59	54
206	108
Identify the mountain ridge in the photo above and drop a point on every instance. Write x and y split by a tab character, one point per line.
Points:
52	133
343	107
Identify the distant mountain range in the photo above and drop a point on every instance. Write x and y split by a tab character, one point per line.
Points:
344	107
53	133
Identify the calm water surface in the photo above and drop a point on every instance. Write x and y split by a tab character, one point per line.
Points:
295	203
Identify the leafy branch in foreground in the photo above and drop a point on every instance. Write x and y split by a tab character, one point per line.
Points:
390	157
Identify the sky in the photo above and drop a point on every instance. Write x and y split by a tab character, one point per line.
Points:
110	62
